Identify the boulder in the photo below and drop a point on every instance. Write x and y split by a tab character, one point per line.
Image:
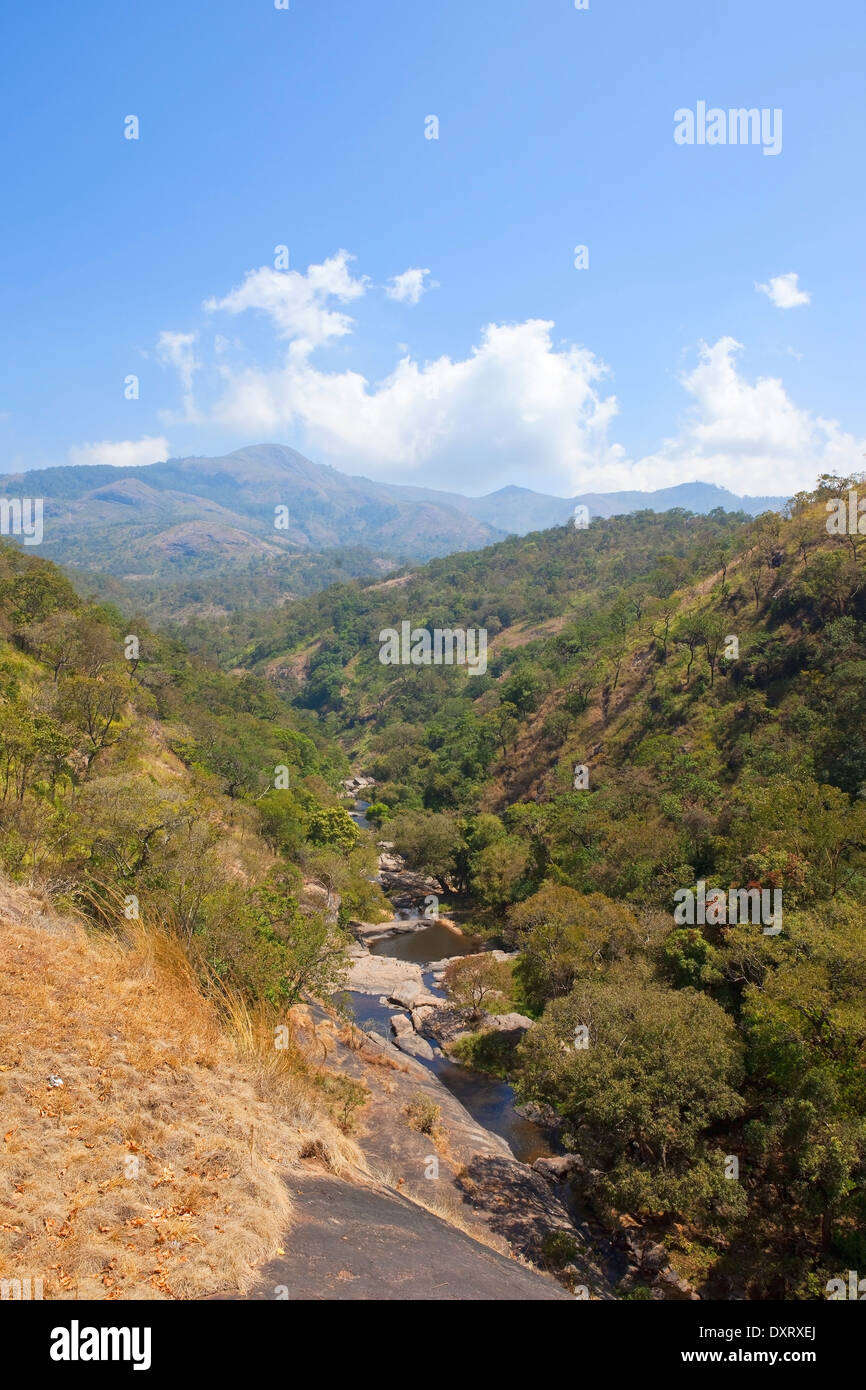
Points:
675	1286
653	1257
544	1115
508	1023
391	863
406	993
416	1047
379	975
559	1167
438	967
400	1024
630	1279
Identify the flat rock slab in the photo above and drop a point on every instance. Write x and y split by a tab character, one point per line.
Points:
349	1243
379	974
415	1046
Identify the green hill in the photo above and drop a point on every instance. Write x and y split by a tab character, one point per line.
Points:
669	723
672	706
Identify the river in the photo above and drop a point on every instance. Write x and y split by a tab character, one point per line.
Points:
489	1101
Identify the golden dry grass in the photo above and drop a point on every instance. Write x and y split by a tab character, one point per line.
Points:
156	1170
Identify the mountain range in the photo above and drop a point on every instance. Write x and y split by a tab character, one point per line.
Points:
166	523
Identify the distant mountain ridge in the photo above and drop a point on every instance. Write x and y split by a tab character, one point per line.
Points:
182	506
519	510
209	519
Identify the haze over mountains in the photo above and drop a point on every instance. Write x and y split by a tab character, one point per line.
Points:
205	513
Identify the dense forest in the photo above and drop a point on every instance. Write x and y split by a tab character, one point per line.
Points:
135	780
669	701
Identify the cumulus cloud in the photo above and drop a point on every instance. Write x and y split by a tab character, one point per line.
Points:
122	453
515	409
750	437
518	407
408	287
785	292
297	304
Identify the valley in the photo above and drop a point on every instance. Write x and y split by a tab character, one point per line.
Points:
449	970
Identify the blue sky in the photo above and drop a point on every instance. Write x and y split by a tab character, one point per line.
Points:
660	362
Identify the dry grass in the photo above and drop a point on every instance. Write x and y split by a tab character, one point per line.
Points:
157	1169
425	1116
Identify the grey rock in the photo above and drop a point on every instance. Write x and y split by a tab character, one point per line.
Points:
508	1023
675	1286
653	1257
406	993
415	1046
630	1279
538	1114
559	1167
438	967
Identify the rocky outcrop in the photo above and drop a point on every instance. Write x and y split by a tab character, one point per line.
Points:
559	1167
365	1242
519	1205
406	993
506	1023
413	1044
370	974
353	786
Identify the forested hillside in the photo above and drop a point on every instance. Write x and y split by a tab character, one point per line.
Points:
133	778
669	701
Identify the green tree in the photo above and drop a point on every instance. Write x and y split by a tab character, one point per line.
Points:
333	827
471	980
642	1074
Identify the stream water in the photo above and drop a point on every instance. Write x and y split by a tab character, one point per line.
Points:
424	944
489	1101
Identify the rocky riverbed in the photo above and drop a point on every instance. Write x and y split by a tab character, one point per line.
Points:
535	1208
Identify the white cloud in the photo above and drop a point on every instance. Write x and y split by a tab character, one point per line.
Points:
296	304
122	453
178	350
408	287
785	292
749	437
515	409
519	407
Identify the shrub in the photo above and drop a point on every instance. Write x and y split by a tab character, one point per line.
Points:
423	1114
